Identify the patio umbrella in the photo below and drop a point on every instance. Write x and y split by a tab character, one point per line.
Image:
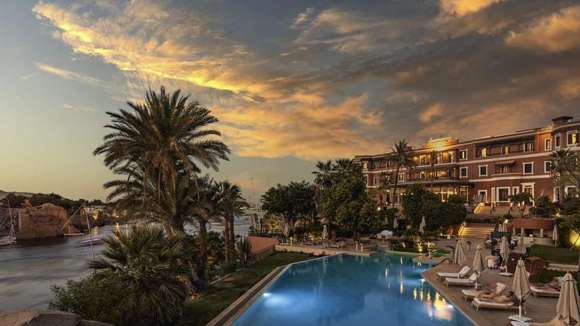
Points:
504	250
324	232
521	288
568	308
395	224
422	225
459	254
286	231
555	236
478	264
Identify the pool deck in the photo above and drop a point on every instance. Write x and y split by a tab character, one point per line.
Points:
321	251
540	309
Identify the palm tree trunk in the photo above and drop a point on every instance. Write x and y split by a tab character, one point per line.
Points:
395	185
227	240
202	259
232	240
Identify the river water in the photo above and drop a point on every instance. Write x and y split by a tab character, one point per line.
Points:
28	270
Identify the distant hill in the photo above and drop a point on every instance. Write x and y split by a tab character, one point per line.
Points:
3	194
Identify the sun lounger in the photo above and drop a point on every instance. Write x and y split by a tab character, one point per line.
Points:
485	293
484	304
461	274
461	281
553	322
544	291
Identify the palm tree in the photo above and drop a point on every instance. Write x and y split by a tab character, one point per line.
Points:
165	129
402	159
172	207
145	263
232	203
207	208
323	174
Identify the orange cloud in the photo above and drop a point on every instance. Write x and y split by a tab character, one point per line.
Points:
311	132
464	7
431	112
554	33
70	75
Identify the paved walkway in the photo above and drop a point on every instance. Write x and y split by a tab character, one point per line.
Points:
540	309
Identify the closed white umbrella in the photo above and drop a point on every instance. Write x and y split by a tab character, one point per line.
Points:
504	250
521	288
422	225
286	231
459	254
478	264
568	308
395	224
555	236
324	232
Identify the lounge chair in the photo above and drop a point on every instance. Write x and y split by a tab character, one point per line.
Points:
461	281
461	274
485	304
553	322
544	291
486	293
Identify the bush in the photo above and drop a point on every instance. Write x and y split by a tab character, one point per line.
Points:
571	206
92	298
439	215
544	207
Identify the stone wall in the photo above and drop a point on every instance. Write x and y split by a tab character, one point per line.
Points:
44	221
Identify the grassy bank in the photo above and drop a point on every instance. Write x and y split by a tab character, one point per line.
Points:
556	255
221	295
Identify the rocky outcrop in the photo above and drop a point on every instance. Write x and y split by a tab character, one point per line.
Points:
44	318
42	221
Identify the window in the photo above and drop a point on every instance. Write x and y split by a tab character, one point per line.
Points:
529	188
557	141
506	149
503	169
515	190
572	138
483	170
503	194
482	152
547	166
548	144
463	154
528	147
463	172
529	168
402	176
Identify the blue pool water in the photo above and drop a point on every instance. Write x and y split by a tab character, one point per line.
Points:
348	290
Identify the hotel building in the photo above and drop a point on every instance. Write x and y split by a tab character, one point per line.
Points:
483	170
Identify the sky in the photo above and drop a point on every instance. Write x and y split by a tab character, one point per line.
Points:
291	82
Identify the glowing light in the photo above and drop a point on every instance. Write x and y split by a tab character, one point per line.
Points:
575	238
266	295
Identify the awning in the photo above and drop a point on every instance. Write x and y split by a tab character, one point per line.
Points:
512	162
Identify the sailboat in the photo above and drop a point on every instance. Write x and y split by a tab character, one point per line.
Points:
10	239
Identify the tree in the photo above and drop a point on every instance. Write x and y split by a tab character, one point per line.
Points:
232	204
402	159
349	203
292	202
544	207
523	200
565	169
146	265
166	133
432	162
419	202
573	223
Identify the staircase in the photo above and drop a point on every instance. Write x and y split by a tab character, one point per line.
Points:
476	230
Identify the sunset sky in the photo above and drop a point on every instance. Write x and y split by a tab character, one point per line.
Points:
292	82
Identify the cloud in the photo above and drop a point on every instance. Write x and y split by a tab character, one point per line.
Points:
310	132
303	17
557	32
349	32
67	74
73	108
465	7
433	111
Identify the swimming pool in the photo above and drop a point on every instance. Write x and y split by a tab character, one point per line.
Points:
344	290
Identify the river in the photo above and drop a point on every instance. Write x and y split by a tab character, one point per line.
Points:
28	270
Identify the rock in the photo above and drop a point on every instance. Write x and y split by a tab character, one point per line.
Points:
44	318
42	221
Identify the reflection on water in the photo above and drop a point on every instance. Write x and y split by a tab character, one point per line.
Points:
29	269
346	290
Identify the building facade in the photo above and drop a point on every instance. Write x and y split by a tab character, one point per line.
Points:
483	170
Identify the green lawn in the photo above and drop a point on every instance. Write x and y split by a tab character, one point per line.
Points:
221	295
556	255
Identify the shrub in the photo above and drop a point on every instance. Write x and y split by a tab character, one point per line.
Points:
544	207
